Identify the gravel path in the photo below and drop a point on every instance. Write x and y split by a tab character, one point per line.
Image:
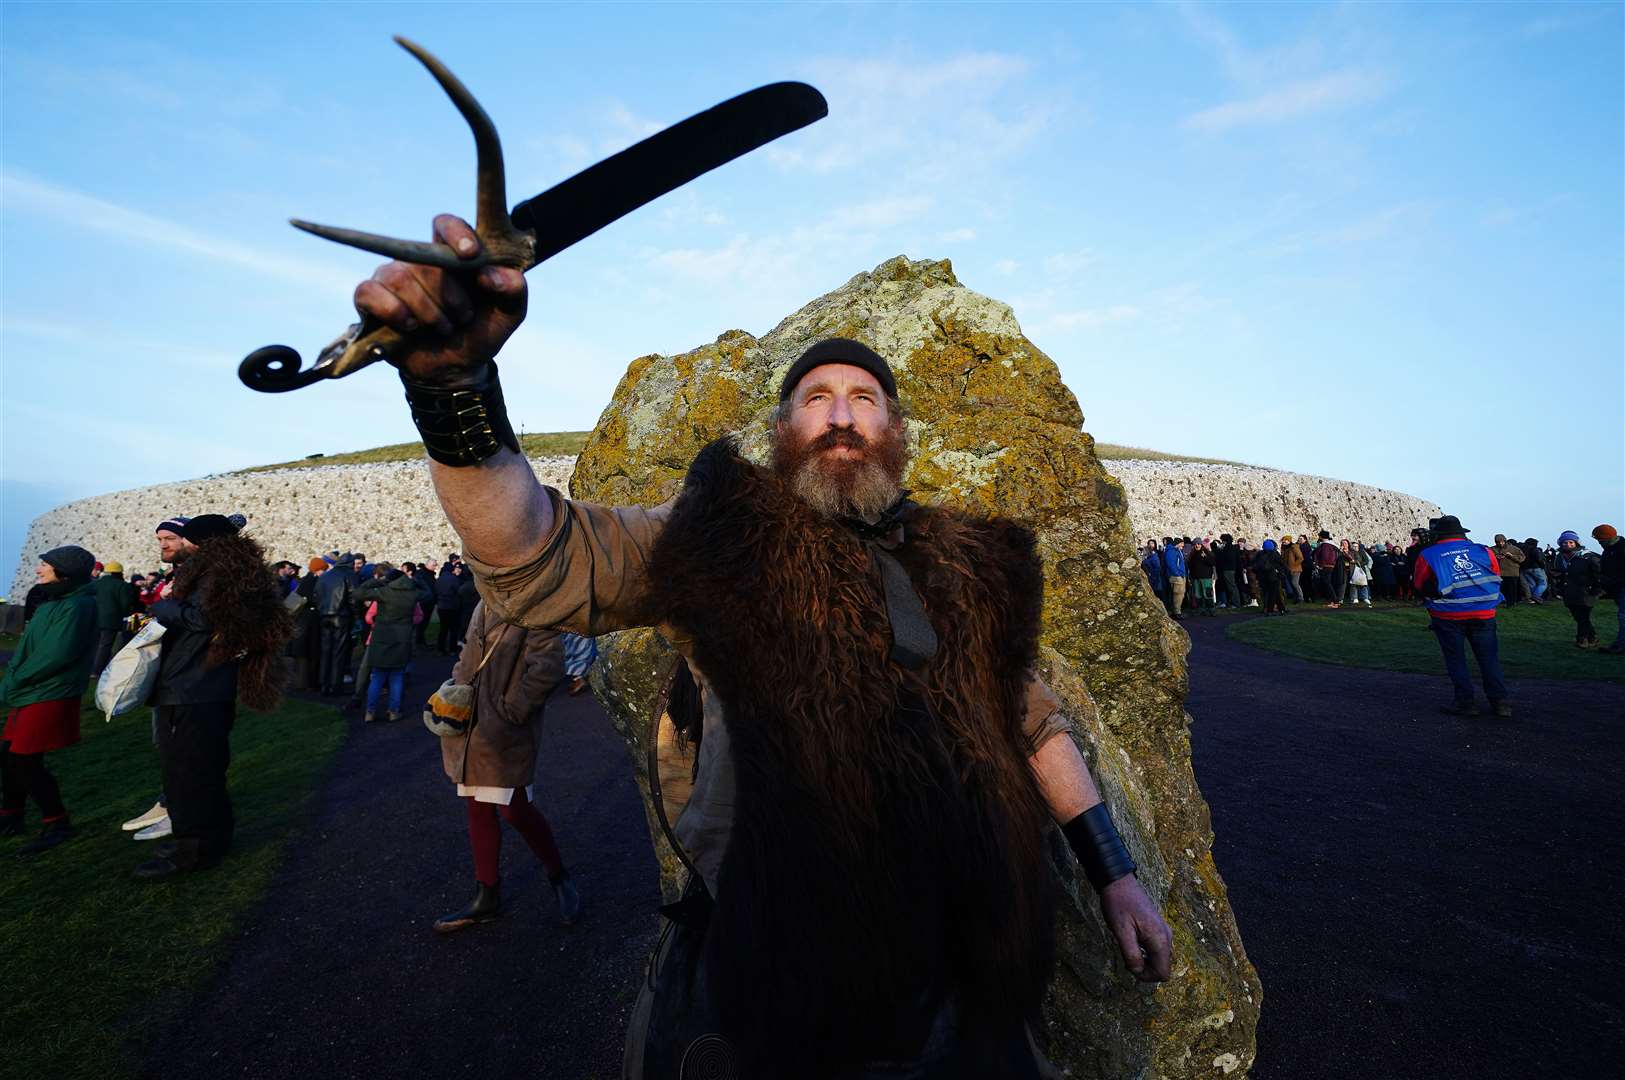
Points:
1423	896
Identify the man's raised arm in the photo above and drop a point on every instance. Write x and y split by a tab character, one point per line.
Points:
455	325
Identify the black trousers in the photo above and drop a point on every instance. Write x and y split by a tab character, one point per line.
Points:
106	646
25	775
1583	628
335	652
194	749
450	628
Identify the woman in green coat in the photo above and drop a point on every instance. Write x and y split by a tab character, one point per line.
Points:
40	694
390	601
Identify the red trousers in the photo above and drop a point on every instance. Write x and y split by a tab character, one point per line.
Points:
486	836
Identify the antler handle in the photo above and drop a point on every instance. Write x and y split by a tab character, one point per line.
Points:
275	369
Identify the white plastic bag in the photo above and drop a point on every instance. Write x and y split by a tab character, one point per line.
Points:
127	681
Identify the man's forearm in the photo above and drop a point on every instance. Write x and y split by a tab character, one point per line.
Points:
498	507
1063	778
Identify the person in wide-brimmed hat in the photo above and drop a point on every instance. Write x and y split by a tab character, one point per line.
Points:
40	691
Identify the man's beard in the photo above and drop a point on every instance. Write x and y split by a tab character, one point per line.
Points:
862	487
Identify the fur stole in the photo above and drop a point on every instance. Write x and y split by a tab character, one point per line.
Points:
228	578
887	840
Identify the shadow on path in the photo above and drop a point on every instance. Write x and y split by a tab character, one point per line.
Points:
1423	896
340	975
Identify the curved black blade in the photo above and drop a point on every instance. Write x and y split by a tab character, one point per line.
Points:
618	185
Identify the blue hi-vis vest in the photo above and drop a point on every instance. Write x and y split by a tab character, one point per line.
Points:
1464	576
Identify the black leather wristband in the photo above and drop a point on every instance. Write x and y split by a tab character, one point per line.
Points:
462	425
1100	850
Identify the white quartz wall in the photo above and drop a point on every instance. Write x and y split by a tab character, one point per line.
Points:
1176	498
389	510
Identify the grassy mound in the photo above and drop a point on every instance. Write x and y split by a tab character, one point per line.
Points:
94	958
1537	642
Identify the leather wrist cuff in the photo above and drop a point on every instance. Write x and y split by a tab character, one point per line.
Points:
462	425
1099	849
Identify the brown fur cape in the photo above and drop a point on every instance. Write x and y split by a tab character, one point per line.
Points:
228	578
887	836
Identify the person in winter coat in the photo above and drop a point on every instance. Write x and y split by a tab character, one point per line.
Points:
116	600
1510	556
1269	569
225	626
468	598
305	647
1151	563
1582	586
1534	570
423	574
40	694
1329	569
1612	567
512	670
448	599
1358	568
393	603
335	604
1203	574
1173	573
1227	560
1292	559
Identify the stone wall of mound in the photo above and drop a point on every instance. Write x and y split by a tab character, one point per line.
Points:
1177	498
387	510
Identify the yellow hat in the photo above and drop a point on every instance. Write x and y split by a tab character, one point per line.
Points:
112	568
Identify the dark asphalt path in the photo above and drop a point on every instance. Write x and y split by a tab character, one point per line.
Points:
1423	896
339	975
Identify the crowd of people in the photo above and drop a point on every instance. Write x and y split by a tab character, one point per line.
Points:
1205	575
346	626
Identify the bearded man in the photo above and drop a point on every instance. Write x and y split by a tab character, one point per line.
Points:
877	761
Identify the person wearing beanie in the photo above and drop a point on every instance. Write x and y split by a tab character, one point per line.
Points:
741	569
1612	574
1227	560
116	601
225	626
1269	569
40	692
1330	570
1460	582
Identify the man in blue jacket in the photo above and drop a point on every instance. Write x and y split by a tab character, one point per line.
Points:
1460	582
1173	572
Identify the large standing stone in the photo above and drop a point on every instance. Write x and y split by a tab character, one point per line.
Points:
994	430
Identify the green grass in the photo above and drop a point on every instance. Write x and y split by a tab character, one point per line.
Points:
1113	452
545	444
1537	642
90	959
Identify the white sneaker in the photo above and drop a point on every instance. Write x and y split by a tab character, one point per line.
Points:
157	813
157	831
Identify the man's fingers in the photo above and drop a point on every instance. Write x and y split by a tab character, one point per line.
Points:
456	234
503	280
1158	943
419	290
375	300
1128	940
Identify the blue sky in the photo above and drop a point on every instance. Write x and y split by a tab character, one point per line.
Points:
1374	241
